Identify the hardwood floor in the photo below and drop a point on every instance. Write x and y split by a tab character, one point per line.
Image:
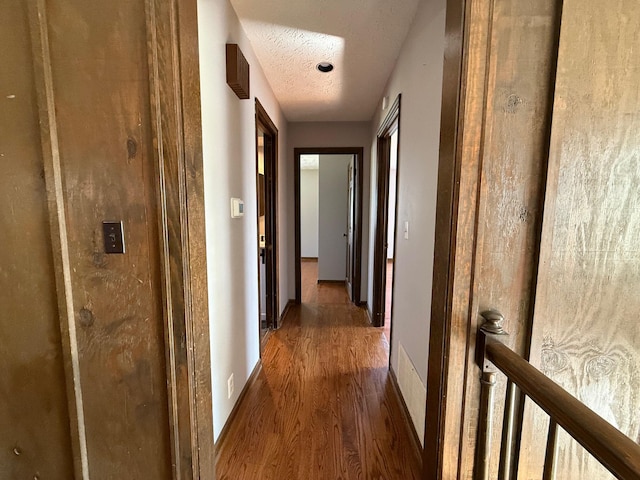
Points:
387	301
322	406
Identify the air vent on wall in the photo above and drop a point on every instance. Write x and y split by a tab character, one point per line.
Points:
237	71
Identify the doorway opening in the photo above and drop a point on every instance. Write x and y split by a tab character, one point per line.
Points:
267	194
330	249
385	233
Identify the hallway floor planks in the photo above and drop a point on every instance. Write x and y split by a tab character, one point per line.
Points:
322	406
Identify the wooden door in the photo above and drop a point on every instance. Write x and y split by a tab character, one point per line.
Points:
265	125
390	124
381	244
537	210
35	431
87	390
586	334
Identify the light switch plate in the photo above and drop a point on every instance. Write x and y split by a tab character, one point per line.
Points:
113	233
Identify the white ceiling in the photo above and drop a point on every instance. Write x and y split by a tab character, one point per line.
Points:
361	38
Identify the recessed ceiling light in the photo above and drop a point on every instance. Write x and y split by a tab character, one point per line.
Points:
324	67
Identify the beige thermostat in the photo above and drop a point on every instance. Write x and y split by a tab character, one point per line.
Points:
237	208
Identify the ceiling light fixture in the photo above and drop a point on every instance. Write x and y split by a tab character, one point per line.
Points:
324	67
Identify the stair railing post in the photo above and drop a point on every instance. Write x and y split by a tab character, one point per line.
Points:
491	327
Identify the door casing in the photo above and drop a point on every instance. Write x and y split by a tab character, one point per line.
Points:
390	125
266	125
356	264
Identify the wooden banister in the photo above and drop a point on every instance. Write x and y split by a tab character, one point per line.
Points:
617	452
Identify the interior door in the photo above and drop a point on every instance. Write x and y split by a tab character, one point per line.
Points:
266	129
541	168
586	334
34	412
381	244
83	390
350	230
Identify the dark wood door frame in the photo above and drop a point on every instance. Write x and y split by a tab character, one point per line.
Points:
174	77
264	123
390	124
356	266
446	229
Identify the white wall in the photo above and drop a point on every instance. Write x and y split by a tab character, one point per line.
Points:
229	149
418	77
331	134
309	213
334	210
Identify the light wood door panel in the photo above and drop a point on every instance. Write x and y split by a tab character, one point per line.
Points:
100	82
508	84
549	113
586	334
82	334
34	421
513	146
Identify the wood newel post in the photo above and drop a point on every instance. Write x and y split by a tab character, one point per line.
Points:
491	327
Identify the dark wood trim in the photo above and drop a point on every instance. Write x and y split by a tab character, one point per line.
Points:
308	259
251	381
446	229
390	122
287	308
297	236
334	282
263	121
176	122
264	340
369	314
389	125
357	236
264	117
44	87
406	416
285	311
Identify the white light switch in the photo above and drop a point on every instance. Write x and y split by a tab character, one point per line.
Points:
406	230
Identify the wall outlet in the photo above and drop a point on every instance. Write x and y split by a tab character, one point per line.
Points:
230	386
406	230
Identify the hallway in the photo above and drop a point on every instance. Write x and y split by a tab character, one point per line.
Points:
323	406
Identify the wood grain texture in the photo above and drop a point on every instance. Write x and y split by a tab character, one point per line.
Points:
89	396
175	109
514	144
322	406
100	80
501	144
468	151
35	436
586	335
604	441
194	245
440	327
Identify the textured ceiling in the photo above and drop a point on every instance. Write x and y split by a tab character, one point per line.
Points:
361	38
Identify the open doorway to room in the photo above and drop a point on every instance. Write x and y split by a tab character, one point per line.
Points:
391	232
386	194
267	193
328	190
